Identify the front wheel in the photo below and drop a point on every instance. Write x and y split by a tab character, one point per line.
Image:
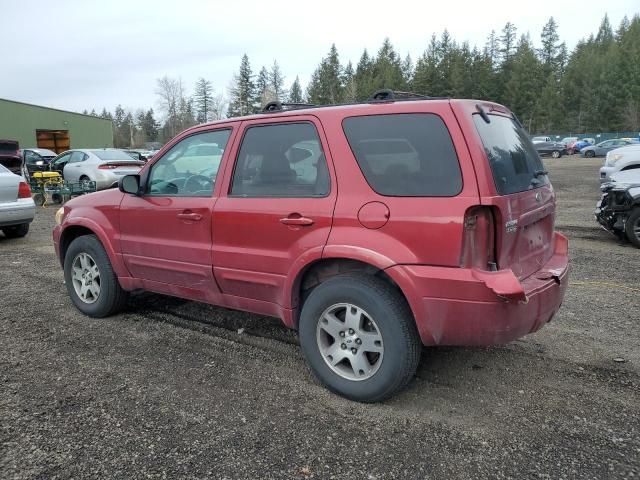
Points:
359	337
90	279
589	154
556	154
632	227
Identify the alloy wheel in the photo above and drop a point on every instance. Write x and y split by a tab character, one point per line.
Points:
85	276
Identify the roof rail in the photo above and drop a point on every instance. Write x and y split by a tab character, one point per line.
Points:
277	106
387	95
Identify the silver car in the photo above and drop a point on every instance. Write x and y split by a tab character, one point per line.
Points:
105	166
17	208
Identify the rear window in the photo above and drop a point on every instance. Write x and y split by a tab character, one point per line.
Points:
512	157
405	155
112	155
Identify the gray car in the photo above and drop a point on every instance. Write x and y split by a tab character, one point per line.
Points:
105	166
17	208
602	148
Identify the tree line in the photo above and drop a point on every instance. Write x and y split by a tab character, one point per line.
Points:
595	87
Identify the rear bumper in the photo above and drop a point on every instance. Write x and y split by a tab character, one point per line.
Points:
16	213
456	306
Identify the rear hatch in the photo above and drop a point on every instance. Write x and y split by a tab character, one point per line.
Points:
9	185
10	156
523	201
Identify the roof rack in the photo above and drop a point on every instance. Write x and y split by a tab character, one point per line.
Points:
276	106
387	95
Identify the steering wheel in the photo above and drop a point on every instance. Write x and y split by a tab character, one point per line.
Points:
196	183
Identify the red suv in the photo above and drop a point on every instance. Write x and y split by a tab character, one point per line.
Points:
372	228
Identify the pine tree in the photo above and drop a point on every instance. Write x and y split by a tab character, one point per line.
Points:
276	82
407	70
150	126
387	69
295	92
263	92
85	112
106	114
93	112
203	99
523	87
363	77
508	42
325	86
349	93
242	90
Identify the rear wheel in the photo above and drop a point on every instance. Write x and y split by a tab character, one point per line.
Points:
90	280
359	337
632	227
556	154
16	231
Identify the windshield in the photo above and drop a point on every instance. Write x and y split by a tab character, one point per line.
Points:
112	155
514	161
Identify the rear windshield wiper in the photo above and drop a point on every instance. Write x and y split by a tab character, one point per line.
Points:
536	174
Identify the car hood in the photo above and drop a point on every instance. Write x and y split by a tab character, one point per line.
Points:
626	177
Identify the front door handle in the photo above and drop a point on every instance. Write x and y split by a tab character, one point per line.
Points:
297	219
194	217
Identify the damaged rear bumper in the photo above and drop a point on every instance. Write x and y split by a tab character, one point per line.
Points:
456	306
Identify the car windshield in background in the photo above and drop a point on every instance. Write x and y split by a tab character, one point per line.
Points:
112	155
514	161
405	155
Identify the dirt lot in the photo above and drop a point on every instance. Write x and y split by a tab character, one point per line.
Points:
171	389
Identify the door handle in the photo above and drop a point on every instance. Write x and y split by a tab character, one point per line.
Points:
194	217
296	219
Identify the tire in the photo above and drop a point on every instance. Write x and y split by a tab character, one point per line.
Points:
589	154
556	154
632	227
16	231
383	313
85	253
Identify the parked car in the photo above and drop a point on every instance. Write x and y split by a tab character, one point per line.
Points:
103	166
17	208
11	158
618	210
602	148
620	159
555	149
569	144
371	228
136	154
541	139
585	142
37	159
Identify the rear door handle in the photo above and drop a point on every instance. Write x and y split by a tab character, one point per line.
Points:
194	217
296	219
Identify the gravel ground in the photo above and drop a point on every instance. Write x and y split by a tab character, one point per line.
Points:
170	389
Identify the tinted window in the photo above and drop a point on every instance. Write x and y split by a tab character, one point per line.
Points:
188	169
407	155
284	160
513	159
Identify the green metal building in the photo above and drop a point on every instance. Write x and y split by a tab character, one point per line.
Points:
58	130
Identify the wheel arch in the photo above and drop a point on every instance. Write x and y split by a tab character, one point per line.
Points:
316	272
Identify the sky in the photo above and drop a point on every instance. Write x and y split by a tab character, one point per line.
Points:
77	55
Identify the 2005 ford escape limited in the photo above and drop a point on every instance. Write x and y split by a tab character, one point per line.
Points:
372	228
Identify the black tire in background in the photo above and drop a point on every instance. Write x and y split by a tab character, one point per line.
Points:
589	154
393	317
112	297
632	227
16	231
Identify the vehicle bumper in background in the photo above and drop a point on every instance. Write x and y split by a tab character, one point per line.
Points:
16	213
456	306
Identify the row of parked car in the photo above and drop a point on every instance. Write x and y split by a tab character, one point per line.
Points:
103	166
587	147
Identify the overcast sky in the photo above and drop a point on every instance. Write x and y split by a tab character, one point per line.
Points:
83	54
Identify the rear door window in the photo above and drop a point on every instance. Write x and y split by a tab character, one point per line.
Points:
513	159
405	155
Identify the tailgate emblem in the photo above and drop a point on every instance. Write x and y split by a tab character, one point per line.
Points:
511	226
538	197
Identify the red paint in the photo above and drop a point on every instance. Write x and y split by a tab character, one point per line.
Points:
250	253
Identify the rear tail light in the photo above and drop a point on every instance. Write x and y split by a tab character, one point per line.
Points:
24	191
478	241
107	166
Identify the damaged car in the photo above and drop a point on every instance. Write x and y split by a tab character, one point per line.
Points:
11	158
618	210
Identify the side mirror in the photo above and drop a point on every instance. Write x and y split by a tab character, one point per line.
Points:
130	184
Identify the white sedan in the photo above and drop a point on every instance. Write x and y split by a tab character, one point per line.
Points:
105	166
17	208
